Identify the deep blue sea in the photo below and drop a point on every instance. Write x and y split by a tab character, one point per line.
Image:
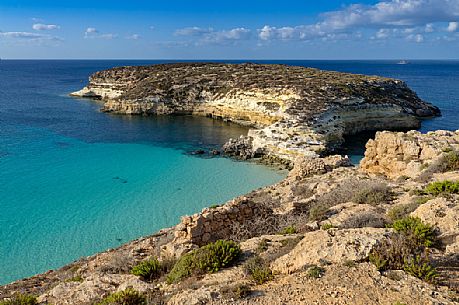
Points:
74	181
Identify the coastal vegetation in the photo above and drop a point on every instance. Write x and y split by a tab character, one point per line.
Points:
20	299
125	297
148	269
258	270
207	259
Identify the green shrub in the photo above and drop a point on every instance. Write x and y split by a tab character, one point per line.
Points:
414	228
390	253
442	187
400	252
402	210
318	212
258	270
373	194
420	267
125	297
288	230
327	226
20	299
147	270
315	272
76	278
262	245
207	259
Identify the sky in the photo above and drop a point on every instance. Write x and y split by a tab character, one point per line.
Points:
219	29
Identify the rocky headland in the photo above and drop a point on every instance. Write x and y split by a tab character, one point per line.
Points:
383	232
295	111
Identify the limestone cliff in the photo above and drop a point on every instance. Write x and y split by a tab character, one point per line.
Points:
295	110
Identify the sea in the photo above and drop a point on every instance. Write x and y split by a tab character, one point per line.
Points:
75	181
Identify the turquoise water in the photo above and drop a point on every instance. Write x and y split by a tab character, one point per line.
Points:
63	198
74	181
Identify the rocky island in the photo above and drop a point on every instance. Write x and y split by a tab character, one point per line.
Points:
384	232
295	111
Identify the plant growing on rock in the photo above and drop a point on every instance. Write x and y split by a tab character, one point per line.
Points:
125	297
147	270
413	228
20	299
364	220
258	270
442	187
402	210
207	259
420	267
373	194
288	230
315	272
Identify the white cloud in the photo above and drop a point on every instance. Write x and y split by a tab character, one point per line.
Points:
406	15
133	37
193	31
453	26
94	33
45	27
27	36
210	36
429	28
91	31
415	37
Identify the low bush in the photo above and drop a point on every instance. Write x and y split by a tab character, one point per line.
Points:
315	272
373	194
403	252
327	226
442	187
402	210
258	270
318	212
236	292
125	297
20	299
262	245
413	228
288	230
207	259
148	270
364	220
420	267
449	161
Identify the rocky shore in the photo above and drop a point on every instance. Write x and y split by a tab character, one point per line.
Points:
294	111
385	232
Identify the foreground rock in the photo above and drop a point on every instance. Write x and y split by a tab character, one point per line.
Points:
297	111
314	231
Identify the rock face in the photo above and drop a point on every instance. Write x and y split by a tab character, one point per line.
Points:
331	246
396	154
297	111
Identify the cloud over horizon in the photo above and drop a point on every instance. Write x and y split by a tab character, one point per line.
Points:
415	15
45	27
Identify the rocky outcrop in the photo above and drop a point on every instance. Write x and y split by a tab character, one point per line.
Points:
325	216
331	246
295	111
396	154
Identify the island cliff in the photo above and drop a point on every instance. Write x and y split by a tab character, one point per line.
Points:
294	110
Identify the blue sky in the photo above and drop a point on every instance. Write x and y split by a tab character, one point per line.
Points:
250	29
